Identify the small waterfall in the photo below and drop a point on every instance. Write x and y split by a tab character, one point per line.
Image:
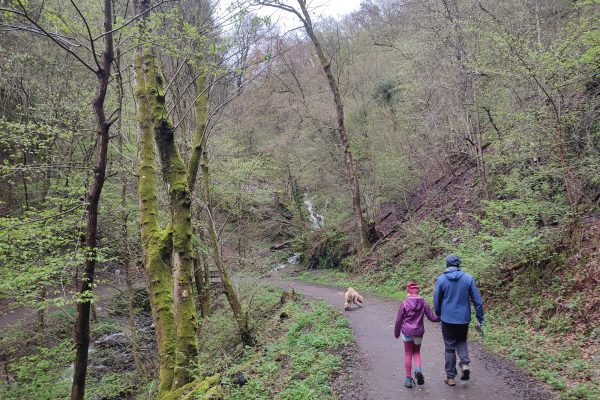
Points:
291	260
316	220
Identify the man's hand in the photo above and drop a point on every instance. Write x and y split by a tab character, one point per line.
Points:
479	326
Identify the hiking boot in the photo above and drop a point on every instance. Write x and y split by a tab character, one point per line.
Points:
420	378
449	382
409	383
466	373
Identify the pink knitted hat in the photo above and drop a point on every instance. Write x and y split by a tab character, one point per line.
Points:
412	288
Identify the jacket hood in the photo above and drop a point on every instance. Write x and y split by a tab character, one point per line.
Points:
414	304
454	275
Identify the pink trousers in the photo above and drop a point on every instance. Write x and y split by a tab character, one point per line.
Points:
411	351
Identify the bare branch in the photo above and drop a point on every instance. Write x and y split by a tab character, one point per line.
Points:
87	28
114	116
284	7
25	15
134	18
62	38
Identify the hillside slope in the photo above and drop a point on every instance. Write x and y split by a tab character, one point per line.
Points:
538	275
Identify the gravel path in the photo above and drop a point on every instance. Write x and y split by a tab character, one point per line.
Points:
492	378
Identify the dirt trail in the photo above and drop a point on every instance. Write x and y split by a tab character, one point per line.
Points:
373	325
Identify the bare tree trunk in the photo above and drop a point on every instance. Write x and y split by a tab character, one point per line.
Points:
135	342
40	316
304	16
4	362
202	285
82	333
94	316
343	135
236	306
483	173
24	176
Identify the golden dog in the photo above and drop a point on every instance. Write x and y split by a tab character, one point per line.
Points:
351	297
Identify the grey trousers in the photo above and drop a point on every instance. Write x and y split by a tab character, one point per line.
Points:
455	341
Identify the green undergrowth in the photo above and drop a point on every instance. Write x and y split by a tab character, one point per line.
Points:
297	359
557	361
296	353
45	372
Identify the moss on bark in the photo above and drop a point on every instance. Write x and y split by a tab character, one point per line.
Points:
208	388
201	101
155	241
172	302
175	174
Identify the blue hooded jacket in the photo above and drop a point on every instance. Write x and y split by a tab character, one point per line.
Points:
454	292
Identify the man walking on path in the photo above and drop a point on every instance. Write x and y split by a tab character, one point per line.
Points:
454	292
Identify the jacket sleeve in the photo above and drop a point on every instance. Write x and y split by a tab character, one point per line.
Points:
438	295
399	320
430	315
476	299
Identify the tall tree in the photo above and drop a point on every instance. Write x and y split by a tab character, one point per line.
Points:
168	256
100	66
240	315
304	15
82	335
167	251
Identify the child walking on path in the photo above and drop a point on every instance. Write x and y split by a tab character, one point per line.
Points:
409	324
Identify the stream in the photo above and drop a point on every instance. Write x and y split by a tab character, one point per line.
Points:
291	260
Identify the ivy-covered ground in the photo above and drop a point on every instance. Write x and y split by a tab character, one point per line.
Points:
301	348
302	362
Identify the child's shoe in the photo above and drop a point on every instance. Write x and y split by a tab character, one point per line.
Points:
420	378
449	382
409	382
466	373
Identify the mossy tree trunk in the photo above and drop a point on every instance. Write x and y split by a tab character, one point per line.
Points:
168	255
201	120
175	175
168	251
156	242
